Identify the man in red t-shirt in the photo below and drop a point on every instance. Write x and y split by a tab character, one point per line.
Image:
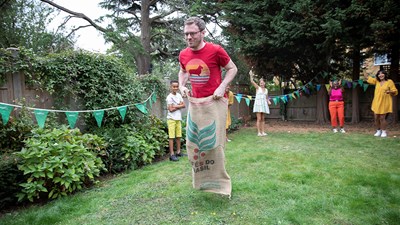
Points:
201	62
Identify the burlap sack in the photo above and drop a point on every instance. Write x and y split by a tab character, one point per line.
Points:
205	142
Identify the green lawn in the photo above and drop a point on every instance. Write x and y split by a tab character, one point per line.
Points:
283	178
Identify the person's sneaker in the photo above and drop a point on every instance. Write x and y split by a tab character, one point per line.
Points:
342	131
384	134
264	134
180	154
378	133
334	130
173	158
228	140
259	134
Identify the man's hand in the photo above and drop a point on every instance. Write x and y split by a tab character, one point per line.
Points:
184	91
219	92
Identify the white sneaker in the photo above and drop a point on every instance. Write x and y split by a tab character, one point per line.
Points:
334	130
259	134
264	134
384	133
378	133
342	131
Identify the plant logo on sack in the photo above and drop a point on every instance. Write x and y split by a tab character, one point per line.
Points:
205	140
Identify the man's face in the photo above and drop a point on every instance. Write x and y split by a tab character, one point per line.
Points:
193	36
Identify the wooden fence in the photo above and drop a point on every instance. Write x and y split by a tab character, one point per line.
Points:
300	109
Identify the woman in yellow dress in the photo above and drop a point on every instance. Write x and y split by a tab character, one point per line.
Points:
382	102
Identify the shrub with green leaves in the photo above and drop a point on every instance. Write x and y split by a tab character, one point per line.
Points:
10	177
59	162
129	146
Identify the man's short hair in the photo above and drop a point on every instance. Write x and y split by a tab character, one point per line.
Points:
173	81
197	21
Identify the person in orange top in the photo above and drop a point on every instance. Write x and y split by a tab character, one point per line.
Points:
382	102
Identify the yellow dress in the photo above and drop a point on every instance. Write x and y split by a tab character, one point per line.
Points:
382	102
230	102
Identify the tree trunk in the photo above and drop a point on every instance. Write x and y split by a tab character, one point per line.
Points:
394	75
355	100
322	114
143	58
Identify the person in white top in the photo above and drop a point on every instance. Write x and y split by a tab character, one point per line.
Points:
174	117
261	104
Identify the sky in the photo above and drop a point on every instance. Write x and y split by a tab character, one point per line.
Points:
87	38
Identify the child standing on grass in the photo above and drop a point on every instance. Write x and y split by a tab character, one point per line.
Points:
336	105
261	104
174	117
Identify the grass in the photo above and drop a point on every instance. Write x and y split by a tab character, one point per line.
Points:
284	178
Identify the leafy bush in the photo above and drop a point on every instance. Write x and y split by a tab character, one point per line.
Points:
236	124
129	147
10	178
59	162
16	131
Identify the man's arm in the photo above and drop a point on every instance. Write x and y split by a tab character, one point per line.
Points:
230	74
183	77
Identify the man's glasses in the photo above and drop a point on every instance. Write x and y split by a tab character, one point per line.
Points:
191	33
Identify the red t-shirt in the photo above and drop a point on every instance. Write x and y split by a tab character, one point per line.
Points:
204	68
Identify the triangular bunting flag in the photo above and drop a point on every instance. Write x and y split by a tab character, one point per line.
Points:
318	87
344	82
154	97
360	82
72	117
141	107
283	99
5	111
327	86
41	117
297	93
354	84
122	111
324	74
247	101
294	96
250	97
276	99
238	97
365	87
286	98
349	84
98	115
290	97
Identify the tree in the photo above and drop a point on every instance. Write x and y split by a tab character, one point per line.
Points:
24	23
141	29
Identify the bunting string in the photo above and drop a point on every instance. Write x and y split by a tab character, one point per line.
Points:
72	116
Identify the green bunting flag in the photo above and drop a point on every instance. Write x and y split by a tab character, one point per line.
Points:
247	101
5	111
354	84
98	115
365	86
154	97
238	97
360	82
141	107
72	117
344	82
41	117
276	99
297	93
122	111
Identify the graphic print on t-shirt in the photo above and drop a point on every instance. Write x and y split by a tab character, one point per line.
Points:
199	72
